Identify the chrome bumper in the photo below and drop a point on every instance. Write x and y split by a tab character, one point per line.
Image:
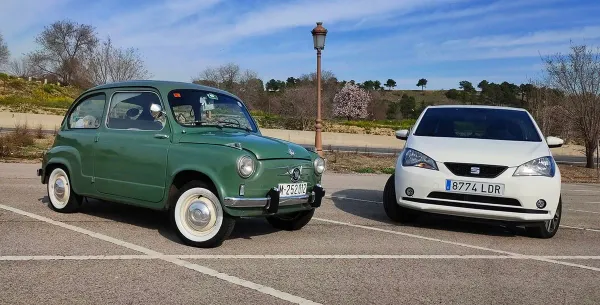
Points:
271	202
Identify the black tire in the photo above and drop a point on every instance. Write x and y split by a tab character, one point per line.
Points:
547	229
194	229
292	221
394	211
61	195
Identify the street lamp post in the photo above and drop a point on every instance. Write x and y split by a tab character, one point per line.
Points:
319	33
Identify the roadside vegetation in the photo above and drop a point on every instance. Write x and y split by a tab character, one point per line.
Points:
565	101
27	143
24	143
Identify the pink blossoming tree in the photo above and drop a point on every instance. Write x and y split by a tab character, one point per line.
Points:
351	102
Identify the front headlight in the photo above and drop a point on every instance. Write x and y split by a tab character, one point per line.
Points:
416	158
543	166
245	166
319	165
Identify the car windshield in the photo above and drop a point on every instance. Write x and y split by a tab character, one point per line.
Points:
478	123
193	107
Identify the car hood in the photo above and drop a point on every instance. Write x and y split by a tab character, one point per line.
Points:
494	152
261	146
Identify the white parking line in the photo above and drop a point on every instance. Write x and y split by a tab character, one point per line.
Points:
583	211
457	244
580	228
562	226
74	257
292	256
204	270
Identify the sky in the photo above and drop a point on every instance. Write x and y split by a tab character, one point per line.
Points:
405	40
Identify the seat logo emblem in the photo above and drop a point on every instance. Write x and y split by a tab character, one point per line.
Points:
475	170
295	174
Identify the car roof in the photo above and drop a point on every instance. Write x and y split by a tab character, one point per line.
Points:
479	106
161	85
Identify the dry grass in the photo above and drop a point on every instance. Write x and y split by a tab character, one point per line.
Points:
346	162
23	143
578	174
384	164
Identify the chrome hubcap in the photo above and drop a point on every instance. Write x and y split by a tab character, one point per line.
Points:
59	188
199	215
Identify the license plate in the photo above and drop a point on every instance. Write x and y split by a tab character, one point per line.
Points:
471	187
292	189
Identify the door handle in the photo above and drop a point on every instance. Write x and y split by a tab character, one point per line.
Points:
161	136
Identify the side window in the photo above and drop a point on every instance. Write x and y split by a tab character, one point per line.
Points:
88	113
183	113
131	110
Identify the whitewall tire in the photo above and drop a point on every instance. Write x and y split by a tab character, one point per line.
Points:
198	216
60	192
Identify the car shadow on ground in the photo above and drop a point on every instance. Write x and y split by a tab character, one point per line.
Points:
370	206
245	228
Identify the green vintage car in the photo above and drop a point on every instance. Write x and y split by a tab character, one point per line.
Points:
191	150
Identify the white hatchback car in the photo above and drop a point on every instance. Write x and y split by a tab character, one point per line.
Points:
480	162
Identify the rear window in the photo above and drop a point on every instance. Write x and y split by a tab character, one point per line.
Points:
478	123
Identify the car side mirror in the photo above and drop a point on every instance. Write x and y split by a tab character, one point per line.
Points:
156	111
402	134
554	142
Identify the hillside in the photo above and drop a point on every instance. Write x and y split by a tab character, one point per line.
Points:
21	95
433	97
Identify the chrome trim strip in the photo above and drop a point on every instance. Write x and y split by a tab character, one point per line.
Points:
239	202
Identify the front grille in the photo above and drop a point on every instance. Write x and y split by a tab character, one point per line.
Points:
469	169
475	198
277	171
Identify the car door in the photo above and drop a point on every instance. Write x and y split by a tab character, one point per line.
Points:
80	127
131	150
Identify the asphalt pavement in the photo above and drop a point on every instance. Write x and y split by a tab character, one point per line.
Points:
348	254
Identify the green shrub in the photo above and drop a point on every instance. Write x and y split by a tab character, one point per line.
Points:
392	124
4	76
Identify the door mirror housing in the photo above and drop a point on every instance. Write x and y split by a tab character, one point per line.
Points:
402	134
156	111
554	142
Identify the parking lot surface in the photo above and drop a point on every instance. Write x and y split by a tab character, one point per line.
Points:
348	254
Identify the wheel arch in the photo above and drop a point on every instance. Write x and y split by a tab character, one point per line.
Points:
58	163
183	176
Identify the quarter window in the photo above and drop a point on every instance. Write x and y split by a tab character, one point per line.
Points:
131	110
88	113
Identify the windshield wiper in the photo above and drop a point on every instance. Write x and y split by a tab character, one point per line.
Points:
204	123
235	125
220	125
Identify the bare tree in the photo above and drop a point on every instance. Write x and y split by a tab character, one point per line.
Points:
4	52
21	67
111	64
577	75
299	103
65	46
231	77
225	77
